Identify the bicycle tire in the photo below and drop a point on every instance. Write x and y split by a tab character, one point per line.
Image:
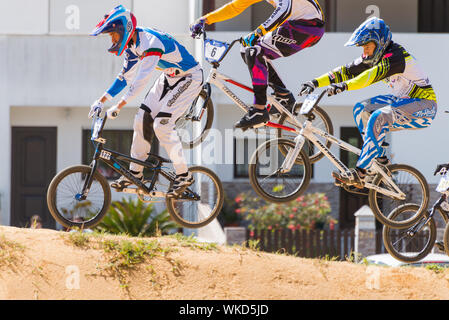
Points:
304	161
446	239
195	141
422	199
52	197
319	114
170	202
389	239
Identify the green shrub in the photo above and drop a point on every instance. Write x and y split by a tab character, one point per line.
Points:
228	215
310	211
136	219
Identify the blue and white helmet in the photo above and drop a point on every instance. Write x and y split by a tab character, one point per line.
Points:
121	21
375	30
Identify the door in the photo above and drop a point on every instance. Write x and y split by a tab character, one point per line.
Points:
32	168
350	202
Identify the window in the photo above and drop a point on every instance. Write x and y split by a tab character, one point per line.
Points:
433	16
117	140
243	150
349	202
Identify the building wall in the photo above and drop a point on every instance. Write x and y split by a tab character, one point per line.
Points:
50	78
401	15
75	17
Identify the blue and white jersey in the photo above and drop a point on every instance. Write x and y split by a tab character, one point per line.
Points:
153	49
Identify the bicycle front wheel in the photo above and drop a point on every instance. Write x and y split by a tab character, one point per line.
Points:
201	202
194	126
321	121
65	205
407	244
265	173
412	183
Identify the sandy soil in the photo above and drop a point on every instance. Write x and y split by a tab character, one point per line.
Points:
46	264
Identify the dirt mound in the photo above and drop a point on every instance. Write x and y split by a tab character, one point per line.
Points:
46	264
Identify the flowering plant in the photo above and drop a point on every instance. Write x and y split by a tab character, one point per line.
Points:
310	211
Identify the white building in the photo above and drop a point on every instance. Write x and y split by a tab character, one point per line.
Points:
53	71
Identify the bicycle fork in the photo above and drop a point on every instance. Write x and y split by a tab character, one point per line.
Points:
293	154
88	183
416	228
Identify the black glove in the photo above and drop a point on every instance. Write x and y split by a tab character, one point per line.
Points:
441	166
197	28
307	88
336	88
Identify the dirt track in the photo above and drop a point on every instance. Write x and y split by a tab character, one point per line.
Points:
45	264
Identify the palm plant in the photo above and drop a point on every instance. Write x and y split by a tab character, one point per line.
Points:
137	219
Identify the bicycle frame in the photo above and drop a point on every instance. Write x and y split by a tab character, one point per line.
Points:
437	205
220	80
112	158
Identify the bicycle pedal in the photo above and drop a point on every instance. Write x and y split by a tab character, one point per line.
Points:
129	190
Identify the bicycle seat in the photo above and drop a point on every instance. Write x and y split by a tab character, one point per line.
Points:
159	158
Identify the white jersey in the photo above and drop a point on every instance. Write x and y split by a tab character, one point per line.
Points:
153	49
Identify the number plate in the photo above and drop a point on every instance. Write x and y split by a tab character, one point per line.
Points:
214	50
444	183
309	103
105	155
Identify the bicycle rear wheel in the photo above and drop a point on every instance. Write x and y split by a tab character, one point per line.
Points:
194	126
266	178
446	238
321	121
201	202
63	198
407	246
411	182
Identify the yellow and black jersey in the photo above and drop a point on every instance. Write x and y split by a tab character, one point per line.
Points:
397	68
284	10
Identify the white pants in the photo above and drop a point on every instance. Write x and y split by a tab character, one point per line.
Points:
167	100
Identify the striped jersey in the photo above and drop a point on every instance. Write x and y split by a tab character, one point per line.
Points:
284	10
397	68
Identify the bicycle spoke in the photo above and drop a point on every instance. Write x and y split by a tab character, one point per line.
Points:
266	175
207	194
70	207
412	243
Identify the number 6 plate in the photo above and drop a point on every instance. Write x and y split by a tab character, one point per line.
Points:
214	50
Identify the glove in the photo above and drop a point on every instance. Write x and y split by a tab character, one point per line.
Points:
336	88
96	106
307	88
441	166
251	39
113	112
197	27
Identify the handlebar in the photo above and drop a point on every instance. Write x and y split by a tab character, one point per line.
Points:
230	45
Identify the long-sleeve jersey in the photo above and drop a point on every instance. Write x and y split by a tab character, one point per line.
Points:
284	10
397	68
153	49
